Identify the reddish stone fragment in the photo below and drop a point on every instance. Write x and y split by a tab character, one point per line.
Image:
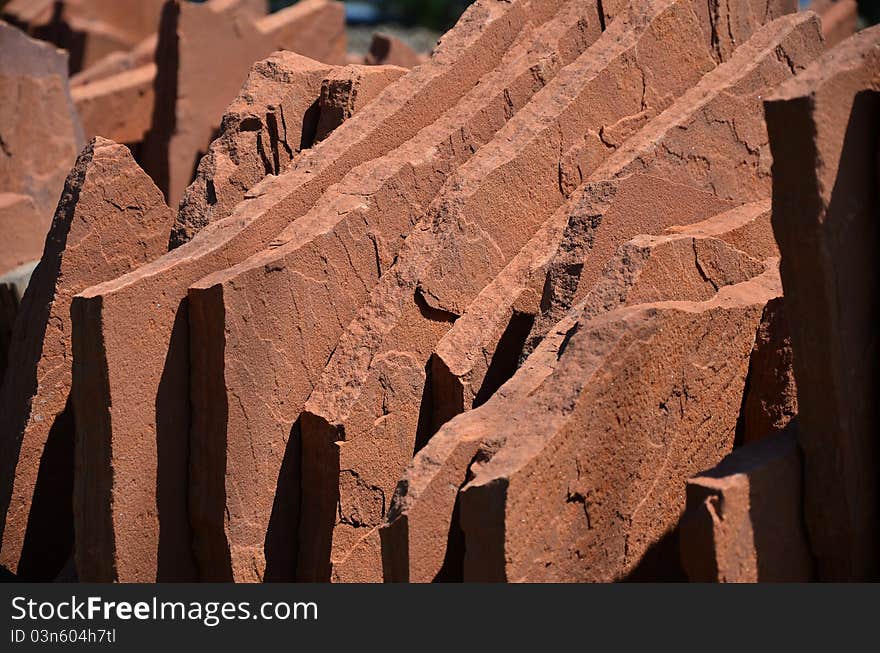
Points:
118	62
364	418
387	49
197	40
349	89
148	388
840	19
580	478
119	107
271	119
24	231
111	218
770	401
12	286
648	268
824	126
40	133
88	29
744	518
318	273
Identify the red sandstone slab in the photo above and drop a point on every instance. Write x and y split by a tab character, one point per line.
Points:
744	518
823	129
839	19
579	479
712	139
347	90
148	389
88	29
24	231
389	50
119	107
118	62
648	268
12	287
364	417
271	119
39	128
111	218
195	41
322	268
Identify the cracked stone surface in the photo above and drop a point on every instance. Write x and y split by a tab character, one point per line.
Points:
36	110
111	219
157	403
271	119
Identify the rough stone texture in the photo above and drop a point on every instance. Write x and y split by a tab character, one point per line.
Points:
148	389
24	231
349	89
272	118
119	107
483	348
744	519
88	29
823	129
770	401
421	538
111	218
641	400
388	50
712	139
197	40
322	269
12	286
40	134
839	19
372	394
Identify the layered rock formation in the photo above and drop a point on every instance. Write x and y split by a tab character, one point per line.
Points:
511	312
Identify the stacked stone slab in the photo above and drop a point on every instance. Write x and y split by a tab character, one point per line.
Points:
88	29
744	519
155	406
357	228
111	219
823	128
511	314
40	134
704	257
195	41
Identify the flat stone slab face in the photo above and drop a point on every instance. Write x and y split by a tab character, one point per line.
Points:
118	107
348	89
111	219
39	128
195	40
744	518
271	119
149	388
599	453
389	50
422	509
323	267
823	129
